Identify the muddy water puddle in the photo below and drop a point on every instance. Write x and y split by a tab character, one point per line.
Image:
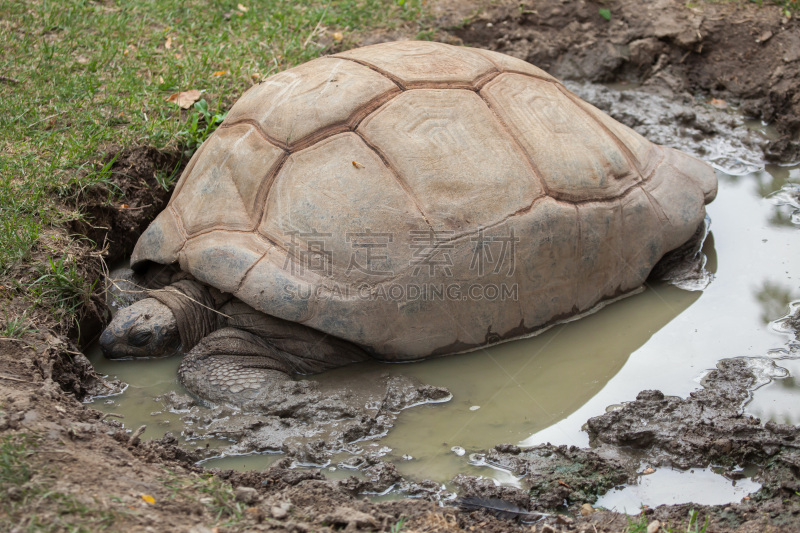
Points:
699	485
543	389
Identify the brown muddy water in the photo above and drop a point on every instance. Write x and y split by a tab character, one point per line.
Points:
544	388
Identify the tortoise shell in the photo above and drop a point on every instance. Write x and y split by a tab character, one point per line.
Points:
418	198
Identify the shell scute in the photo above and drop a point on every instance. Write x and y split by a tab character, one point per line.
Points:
296	104
424	63
320	195
457	162
572	152
225	184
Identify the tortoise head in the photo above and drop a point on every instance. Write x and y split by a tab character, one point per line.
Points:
147	328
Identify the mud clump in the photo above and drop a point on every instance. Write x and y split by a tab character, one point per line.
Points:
560	477
706	428
303	421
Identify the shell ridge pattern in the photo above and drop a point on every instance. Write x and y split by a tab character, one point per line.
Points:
479	83
397	177
179	224
266	188
631	159
657	209
228	155
251	267
537	175
254	124
350	124
186	173
579	253
389	76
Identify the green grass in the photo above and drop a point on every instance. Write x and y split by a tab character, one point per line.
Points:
62	285
80	79
788	7
216	495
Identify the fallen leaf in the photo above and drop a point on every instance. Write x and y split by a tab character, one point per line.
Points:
563	484
243	9
124	206
161	79
149	499
718	103
605	13
168	43
219	73
82	60
185	99
338	36
647	471
178	56
357	164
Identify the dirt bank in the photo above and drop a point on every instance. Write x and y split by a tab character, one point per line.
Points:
64	466
736	52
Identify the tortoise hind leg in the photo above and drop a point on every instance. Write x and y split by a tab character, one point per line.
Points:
235	366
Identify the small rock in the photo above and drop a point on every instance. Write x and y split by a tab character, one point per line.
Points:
586	509
564	519
654	526
764	37
280	511
245	495
351	518
512	449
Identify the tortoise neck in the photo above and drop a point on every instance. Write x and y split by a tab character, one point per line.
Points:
194	309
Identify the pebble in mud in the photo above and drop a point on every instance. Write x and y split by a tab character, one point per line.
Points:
458	450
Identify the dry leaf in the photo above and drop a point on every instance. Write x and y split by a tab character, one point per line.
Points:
178	56
124	206
338	36
149	499
719	104
357	164
219	73
647	471
243	9
168	43
161	79
564	484
185	99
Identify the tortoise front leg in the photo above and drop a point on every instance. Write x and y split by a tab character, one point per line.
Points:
235	366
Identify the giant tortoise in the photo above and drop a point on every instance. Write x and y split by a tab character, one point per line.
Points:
400	201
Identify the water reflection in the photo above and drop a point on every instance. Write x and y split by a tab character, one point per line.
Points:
775	298
508	392
778	400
